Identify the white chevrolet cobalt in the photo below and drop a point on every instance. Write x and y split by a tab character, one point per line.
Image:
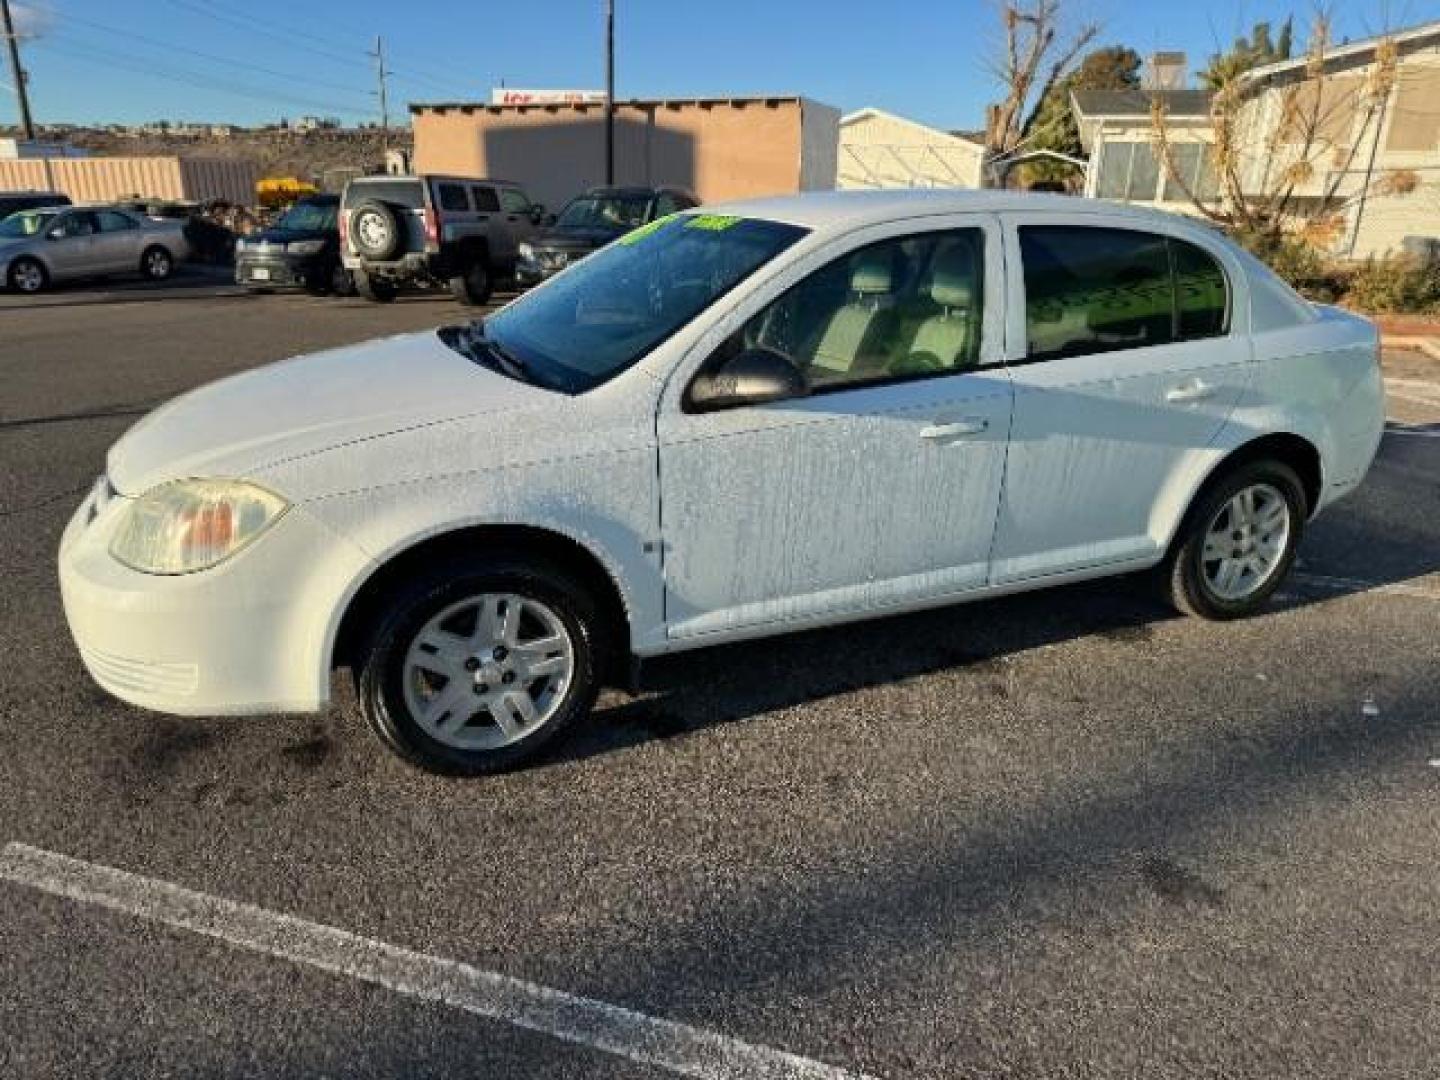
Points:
730	423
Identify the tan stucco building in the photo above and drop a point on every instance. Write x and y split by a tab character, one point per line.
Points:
719	148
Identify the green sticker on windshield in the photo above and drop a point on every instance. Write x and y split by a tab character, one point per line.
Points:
711	222
639	234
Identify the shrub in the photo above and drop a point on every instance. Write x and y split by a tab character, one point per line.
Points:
1398	284
1297	261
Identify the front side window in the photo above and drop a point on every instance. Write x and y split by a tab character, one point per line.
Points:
607	312
78	224
309	217
486	201
1090	290
902	308
513	201
114	221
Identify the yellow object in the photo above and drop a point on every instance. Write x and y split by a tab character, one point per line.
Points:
274	192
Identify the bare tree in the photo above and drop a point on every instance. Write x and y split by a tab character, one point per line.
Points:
1038	51
1280	154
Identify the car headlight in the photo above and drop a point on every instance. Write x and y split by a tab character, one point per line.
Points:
189	525
305	247
527	252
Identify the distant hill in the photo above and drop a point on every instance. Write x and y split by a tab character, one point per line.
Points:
276	152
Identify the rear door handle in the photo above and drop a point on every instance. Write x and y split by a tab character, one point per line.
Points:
1191	391
957	429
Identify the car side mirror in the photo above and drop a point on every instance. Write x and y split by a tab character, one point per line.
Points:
753	377
56	233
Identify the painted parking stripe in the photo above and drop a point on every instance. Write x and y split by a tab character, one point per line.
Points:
648	1040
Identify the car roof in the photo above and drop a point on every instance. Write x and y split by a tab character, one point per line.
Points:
638	191
423	177
827	210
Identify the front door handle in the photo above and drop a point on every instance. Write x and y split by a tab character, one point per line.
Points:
958	429
1191	391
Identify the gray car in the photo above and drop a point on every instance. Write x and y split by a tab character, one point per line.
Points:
60	243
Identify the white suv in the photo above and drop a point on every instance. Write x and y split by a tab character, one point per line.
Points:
727	424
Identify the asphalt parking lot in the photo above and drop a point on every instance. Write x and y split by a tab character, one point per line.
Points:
1061	835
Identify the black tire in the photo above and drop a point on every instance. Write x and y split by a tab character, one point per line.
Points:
475	285
375	230
28	275
341	281
377	290
156	263
380	666
1182	575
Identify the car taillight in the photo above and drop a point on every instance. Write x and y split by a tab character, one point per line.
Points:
432	228
345	228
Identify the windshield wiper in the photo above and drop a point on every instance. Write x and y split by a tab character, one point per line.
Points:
502	359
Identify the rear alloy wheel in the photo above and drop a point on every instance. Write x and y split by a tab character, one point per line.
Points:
474	670
375	289
474	286
1239	544
156	263
28	276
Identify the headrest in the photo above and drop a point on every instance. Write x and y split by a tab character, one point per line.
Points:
871	273
953	278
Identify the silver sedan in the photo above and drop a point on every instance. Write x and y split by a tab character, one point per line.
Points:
39	247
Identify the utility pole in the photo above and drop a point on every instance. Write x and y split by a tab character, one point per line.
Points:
381	73
610	91
22	92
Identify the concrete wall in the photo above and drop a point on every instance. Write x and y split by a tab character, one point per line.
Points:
721	150
103	179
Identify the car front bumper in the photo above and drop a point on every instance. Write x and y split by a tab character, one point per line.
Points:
251	635
280	271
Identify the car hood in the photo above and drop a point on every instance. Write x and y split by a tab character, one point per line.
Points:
574	239
238	426
285	236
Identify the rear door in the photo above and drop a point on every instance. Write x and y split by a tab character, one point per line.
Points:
120	240
1127	354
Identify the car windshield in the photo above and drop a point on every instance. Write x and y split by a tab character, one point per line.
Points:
26	223
604	314
608	213
308	217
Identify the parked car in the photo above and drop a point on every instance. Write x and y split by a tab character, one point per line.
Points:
592	220
779	414
40	247
301	249
12	202
433	230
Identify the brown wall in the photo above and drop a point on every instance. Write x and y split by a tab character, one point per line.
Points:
720	150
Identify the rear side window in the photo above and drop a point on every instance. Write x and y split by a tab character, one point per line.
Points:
406	193
1090	290
113	221
452	197
486	201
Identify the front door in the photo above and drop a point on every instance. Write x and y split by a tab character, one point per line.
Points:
876	490
1127	358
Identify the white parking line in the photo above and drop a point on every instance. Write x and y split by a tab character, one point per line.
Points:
682	1049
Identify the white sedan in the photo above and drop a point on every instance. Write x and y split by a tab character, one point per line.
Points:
730	423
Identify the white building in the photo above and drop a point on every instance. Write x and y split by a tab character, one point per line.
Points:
881	150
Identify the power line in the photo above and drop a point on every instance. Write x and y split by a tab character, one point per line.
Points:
214	58
131	65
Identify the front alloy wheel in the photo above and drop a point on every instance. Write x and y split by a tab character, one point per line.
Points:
474	669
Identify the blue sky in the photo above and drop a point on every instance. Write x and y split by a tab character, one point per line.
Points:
215	60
